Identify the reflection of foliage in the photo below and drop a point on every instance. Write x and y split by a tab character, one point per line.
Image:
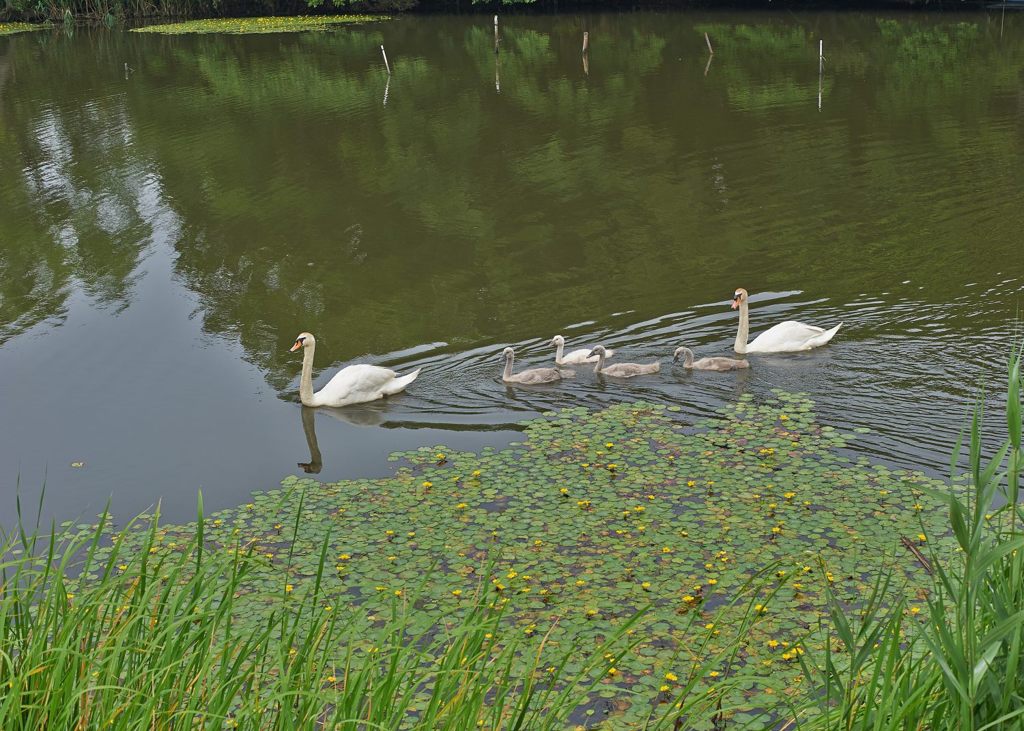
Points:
73	200
495	196
588	523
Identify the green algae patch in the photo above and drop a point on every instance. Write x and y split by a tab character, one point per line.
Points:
724	536
7	29
272	24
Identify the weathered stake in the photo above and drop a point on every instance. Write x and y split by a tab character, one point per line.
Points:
821	57
385	55
586	41
708	41
495	33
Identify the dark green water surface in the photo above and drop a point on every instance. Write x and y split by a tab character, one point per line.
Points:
165	233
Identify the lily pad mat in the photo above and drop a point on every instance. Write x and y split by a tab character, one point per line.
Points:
7	29
270	24
596	516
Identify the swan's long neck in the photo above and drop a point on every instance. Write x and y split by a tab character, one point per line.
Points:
744	328
687	358
600	362
306	380
559	349
508	367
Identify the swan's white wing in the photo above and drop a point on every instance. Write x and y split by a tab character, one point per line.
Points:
355	384
583	356
791	336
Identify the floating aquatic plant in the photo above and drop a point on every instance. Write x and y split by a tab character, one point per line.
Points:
271	24
594	517
7	29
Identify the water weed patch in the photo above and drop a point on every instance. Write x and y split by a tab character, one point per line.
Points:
724	536
7	29
272	24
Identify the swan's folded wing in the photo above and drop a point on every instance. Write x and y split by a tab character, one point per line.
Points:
359	378
787	336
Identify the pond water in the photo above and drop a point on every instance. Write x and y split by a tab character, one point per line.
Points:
166	231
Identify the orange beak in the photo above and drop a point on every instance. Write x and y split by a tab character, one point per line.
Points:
735	304
295	347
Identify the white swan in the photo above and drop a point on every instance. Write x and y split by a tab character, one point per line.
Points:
354	384
708	364
786	337
622	370
574	357
531	375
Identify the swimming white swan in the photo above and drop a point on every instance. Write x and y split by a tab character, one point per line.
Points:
532	375
574	357
708	364
622	370
355	384
786	337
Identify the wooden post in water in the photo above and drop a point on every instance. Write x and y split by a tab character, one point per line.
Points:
821	57
708	41
495	33
586	41
385	55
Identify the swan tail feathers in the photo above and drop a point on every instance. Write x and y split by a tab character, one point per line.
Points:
398	385
826	336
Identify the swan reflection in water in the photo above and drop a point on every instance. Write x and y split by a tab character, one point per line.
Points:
357	416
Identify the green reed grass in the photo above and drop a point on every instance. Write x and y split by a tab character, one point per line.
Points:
141	638
960	665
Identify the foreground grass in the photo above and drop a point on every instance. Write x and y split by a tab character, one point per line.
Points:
960	663
272	24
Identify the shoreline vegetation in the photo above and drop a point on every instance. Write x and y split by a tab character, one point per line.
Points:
617	569
120	11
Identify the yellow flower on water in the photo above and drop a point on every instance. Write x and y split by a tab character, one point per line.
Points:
344	557
712	582
665	688
398	592
389	533
709	625
776	530
646	585
591	612
915	610
511	575
609	445
922	537
691	483
439	455
760	608
671	677
689	599
666	549
411	534
613	672
773	644
918	506
829	577
288	588
783	417
789	495
476	473
122	567
461	506
331	679
714	673
428	483
456	592
580	582
538	542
